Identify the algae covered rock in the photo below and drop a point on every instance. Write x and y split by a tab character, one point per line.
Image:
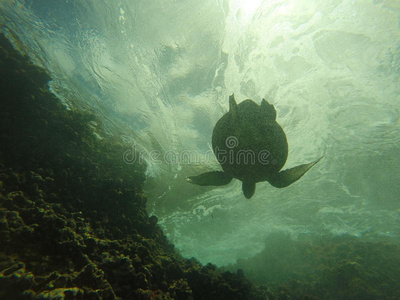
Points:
73	219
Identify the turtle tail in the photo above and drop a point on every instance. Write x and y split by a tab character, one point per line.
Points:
248	189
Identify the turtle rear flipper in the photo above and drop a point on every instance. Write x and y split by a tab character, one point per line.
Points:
210	178
287	177
248	189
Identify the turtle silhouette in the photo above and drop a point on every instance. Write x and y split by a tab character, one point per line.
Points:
250	146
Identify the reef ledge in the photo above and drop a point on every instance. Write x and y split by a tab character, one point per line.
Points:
73	219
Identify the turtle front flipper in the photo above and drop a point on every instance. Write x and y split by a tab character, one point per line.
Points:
210	178
287	177
248	188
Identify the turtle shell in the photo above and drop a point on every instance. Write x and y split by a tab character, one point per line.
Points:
248	142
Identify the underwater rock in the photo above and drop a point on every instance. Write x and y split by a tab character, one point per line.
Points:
14	280
61	293
73	219
326	267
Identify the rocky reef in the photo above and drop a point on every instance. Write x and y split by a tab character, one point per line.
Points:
326	267
73	219
74	225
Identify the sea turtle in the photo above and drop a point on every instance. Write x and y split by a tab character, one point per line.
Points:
252	147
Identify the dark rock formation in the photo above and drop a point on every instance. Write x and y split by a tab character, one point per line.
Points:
73	219
326	267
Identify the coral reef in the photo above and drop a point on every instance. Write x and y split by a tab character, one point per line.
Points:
73	219
326	267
